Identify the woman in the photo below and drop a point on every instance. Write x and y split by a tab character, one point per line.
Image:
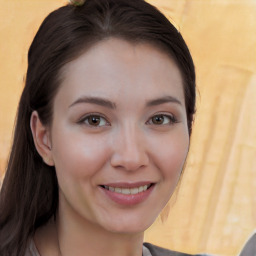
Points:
102	132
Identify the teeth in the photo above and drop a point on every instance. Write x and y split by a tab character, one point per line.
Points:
111	189
118	190
134	191
128	191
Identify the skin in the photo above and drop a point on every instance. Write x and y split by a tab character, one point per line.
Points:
126	145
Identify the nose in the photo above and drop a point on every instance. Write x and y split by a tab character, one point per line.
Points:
129	150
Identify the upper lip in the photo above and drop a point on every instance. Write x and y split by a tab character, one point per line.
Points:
128	184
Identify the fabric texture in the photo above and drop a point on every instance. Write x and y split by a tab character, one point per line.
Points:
159	251
32	250
250	247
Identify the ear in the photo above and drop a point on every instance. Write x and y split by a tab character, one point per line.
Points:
41	137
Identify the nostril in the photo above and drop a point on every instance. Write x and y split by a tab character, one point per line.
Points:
128	165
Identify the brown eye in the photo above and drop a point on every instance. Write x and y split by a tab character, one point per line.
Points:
94	120
158	119
162	120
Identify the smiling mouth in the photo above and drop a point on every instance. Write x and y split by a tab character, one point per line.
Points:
128	191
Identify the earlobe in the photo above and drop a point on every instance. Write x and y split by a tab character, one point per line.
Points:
41	137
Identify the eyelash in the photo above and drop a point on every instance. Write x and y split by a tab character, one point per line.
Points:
84	120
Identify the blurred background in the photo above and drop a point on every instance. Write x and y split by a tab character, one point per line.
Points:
214	209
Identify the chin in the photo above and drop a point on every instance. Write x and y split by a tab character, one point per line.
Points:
129	226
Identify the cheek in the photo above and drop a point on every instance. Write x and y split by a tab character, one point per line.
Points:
79	155
170	155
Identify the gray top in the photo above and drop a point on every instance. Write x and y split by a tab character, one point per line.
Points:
249	248
32	250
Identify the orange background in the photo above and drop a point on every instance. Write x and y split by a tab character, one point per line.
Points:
214	210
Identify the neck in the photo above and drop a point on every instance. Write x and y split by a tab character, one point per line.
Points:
79	237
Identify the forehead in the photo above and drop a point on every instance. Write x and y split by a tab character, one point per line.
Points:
116	67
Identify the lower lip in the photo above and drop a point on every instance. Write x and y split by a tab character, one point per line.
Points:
123	199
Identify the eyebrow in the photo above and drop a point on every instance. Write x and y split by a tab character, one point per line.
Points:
163	100
95	100
109	104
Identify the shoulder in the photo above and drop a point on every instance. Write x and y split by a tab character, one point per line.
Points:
250	246
159	251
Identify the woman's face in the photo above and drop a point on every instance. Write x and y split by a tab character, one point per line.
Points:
119	135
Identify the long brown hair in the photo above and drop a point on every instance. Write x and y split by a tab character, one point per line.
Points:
29	194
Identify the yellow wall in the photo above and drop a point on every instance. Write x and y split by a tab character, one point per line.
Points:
215	208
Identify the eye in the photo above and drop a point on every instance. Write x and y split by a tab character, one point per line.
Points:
94	120
162	119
